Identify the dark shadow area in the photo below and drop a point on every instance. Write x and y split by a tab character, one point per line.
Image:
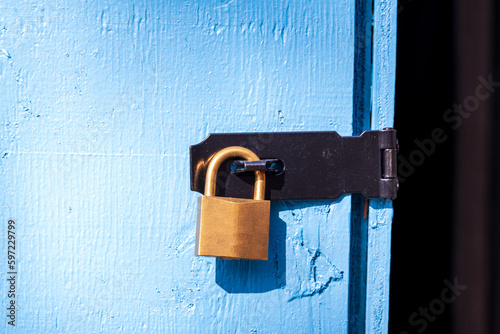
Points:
357	265
247	276
423	218
361	119
495	185
445	225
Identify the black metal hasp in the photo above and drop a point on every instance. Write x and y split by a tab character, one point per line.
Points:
270	166
316	165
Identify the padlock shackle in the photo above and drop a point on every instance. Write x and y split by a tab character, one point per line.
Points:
233	152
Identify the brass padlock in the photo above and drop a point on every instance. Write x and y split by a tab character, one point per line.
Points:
233	228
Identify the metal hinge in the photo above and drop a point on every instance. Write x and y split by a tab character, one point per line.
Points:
304	165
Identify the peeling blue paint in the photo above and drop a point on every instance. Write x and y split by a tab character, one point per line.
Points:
321	273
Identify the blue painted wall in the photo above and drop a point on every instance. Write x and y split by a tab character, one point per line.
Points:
99	104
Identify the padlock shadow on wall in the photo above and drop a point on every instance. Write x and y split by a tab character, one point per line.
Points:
250	276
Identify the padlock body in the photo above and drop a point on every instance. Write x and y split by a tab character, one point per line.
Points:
232	228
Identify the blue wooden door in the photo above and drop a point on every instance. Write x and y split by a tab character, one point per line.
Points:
98	106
